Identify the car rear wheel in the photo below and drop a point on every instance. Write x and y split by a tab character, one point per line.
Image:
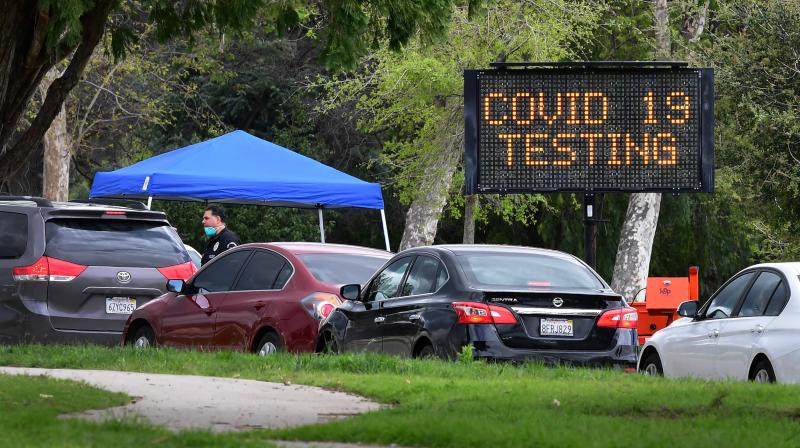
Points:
144	338
426	352
763	373
269	344
651	365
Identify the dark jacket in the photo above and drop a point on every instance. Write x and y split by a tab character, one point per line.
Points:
218	244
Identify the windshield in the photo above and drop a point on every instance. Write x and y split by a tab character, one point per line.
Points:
127	243
342	269
526	270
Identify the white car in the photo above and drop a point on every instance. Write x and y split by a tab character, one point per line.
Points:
194	255
749	329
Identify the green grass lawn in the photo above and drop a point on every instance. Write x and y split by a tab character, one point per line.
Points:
447	404
30	406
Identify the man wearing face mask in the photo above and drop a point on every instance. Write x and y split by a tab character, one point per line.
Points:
220	238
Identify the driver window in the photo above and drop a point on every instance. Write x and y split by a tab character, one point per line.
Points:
387	284
219	275
422	277
755	304
726	299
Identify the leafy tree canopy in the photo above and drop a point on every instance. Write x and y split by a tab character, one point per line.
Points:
35	35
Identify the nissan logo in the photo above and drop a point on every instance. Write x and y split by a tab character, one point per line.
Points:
123	277
557	302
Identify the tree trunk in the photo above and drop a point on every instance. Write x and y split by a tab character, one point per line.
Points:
423	215
661	22
470	204
25	58
55	178
632	265
636	244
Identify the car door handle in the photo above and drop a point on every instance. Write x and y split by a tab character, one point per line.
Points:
414	317
379	319
713	334
210	310
758	329
258	305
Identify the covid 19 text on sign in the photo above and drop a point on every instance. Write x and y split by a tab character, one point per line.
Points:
589	130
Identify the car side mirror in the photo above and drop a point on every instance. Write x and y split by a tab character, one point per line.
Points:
688	309
350	292
176	286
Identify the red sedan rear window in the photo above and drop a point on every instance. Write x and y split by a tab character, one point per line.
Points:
342	268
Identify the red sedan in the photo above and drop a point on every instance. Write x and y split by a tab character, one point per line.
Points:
260	298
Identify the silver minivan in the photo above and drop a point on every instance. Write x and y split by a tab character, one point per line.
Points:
74	272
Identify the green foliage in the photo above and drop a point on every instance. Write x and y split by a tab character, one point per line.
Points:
755	56
624	32
466	355
64	25
349	27
413	100
164	96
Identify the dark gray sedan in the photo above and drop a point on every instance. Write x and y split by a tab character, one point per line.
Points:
507	303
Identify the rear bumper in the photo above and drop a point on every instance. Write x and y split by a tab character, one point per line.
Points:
487	344
29	324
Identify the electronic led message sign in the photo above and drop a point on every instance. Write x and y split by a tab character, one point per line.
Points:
588	129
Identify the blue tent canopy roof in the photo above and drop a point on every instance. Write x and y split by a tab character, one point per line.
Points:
242	169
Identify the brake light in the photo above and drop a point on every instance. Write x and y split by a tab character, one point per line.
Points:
320	305
47	268
481	313
619	318
183	271
114	212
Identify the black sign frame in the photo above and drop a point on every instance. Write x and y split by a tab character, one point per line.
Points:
472	117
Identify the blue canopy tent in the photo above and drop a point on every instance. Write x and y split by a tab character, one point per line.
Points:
239	168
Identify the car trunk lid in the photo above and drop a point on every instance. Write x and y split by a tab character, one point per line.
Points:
126	263
556	320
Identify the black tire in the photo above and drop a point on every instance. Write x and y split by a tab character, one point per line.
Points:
762	372
651	365
269	344
144	338
426	352
329	344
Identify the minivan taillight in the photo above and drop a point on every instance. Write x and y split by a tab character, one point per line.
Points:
48	268
481	313
320	304
619	318
183	271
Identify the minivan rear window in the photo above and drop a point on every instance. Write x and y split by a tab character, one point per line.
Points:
13	235
91	242
526	270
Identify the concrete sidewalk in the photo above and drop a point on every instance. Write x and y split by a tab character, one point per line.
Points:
219	404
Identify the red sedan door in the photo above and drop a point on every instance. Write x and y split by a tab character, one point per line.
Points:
251	300
189	320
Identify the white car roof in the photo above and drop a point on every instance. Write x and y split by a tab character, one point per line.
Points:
789	267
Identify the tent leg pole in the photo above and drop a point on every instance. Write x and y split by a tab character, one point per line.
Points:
149	202
321	226
385	231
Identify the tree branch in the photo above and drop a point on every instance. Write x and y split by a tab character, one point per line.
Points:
93	26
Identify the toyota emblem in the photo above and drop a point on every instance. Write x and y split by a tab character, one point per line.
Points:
557	302
123	277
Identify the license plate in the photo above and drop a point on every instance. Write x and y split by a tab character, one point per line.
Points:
555	327
120	305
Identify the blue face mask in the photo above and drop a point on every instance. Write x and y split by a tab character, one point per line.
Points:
210	231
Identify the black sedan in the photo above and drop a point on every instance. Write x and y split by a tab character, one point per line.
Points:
508	303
